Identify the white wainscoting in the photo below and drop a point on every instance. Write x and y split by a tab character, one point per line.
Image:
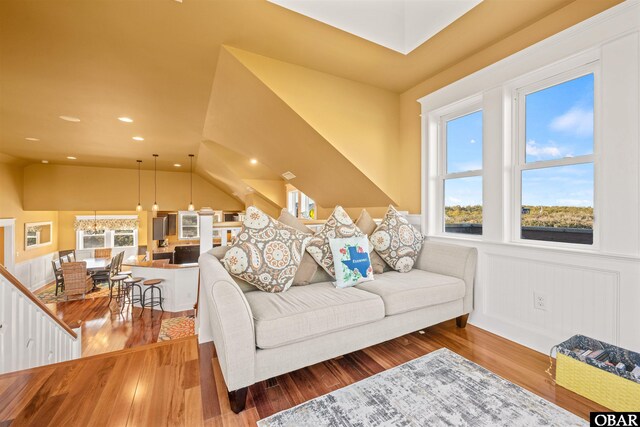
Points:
589	294
36	272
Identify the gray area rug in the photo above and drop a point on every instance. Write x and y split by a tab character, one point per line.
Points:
438	389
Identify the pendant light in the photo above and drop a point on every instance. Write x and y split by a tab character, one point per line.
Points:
155	183
139	207
191	207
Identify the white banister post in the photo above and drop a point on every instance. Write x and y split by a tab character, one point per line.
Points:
206	229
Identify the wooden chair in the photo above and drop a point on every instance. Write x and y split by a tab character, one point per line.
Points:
57	274
64	259
76	281
159	262
72	256
102	253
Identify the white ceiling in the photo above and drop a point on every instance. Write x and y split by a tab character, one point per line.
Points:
400	25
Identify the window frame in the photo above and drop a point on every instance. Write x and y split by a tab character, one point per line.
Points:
535	83
181	215
461	109
109	235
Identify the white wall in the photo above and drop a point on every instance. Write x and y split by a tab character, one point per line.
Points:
594	291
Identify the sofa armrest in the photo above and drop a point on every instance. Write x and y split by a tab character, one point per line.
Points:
451	260
229	321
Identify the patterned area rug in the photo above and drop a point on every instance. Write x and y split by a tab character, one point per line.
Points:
439	389
48	293
178	327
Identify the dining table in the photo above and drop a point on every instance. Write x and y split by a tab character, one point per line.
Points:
97	264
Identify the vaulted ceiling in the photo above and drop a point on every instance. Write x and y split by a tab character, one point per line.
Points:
205	77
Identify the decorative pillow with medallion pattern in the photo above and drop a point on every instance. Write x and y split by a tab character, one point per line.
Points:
266	253
338	226
397	241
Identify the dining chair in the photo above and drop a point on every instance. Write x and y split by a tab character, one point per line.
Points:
76	281
57	274
64	259
102	253
72	256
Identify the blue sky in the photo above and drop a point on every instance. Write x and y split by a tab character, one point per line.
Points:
559	124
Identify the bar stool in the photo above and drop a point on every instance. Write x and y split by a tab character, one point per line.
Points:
152	285
131	283
121	292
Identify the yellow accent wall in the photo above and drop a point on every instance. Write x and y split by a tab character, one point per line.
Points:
360	121
82	188
67	234
11	206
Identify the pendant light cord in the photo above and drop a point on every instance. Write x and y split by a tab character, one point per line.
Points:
155	179
191	176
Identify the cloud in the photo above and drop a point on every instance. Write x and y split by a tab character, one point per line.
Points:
577	121
542	151
452	201
473	141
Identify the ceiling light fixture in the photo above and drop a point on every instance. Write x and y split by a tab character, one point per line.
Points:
72	158
191	207
138	138
32	139
45	161
178	165
155	183
139	207
70	119
125	119
254	161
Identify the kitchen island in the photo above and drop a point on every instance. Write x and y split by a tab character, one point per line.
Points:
179	285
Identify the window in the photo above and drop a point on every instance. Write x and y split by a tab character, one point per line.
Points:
189	225
106	231
461	166
300	205
93	239
555	167
123	238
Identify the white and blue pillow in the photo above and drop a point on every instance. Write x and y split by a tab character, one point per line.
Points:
351	261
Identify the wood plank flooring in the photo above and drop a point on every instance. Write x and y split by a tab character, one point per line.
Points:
180	383
105	329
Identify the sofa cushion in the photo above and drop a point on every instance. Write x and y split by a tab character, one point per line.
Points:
266	253
338	225
309	311
308	266
397	241
367	225
402	292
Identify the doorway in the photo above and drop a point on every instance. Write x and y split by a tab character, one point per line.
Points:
7	243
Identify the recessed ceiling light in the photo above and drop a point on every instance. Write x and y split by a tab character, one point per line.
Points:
177	165
125	119
254	161
45	161
70	119
32	139
138	138
71	158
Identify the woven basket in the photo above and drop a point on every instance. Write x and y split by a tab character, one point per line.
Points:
615	389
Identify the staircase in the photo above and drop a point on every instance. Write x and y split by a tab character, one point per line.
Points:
30	333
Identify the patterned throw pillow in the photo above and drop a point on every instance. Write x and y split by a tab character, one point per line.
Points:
339	225
351	261
266	253
397	241
367	225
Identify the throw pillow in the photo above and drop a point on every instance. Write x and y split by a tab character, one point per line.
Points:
351	261
308	266
339	225
266	253
367	225
397	241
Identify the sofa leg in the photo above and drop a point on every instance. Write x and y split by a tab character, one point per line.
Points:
238	399
461	321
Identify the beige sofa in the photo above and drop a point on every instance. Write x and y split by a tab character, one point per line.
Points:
259	335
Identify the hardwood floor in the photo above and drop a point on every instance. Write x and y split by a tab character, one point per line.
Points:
180	383
105	329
